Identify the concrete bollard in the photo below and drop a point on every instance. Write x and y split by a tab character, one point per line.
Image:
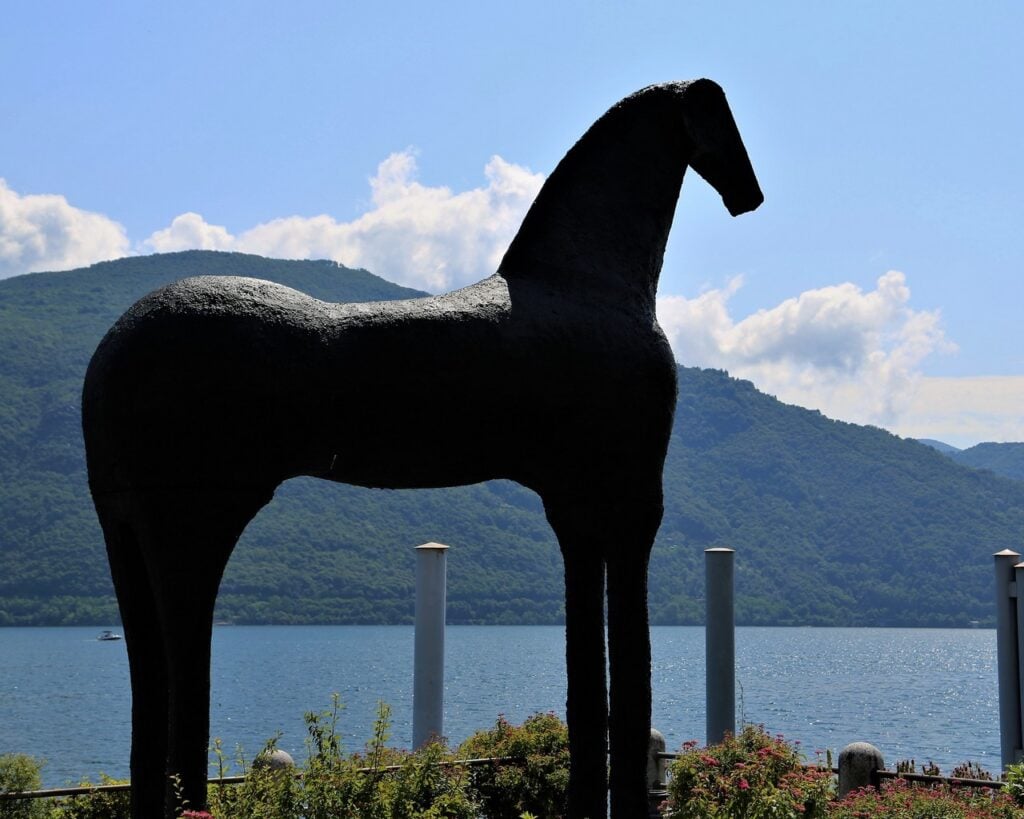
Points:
858	764
428	651
657	771
720	645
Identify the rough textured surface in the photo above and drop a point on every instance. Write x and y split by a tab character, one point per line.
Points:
858	763
553	372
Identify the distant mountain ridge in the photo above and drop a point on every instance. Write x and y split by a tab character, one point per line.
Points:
941	446
1006	459
834	524
1003	459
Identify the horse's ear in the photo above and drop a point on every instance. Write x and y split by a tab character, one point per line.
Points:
719	155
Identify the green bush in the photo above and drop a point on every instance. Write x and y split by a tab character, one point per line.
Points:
97	805
379	783
748	776
266	792
376	783
19	772
1015	783
536	777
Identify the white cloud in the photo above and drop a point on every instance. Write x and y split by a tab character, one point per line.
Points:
966	411
421	236
190	232
854	355
44	232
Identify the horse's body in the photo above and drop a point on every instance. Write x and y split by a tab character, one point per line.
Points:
209	393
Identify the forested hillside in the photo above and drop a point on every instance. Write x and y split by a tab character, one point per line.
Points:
833	524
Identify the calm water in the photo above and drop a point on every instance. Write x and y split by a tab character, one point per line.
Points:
927	694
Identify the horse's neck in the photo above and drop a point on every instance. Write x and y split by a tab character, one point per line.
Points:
601	221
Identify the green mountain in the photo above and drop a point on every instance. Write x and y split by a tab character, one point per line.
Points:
834	524
1003	459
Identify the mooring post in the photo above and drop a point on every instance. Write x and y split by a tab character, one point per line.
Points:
1018	583
428	659
859	764
720	645
657	768
1008	655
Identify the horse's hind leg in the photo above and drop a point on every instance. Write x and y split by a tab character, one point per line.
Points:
146	660
189	536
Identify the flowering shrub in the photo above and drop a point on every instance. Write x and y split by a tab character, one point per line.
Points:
755	776
748	776
900	800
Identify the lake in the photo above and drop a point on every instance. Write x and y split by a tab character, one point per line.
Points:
914	693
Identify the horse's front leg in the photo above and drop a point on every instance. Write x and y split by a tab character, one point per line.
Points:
629	649
587	699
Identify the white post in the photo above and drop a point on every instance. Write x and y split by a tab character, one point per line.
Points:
1007	655
428	660
720	645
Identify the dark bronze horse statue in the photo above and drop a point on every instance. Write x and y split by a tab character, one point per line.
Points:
553	372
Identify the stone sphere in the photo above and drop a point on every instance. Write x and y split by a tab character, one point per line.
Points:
275	760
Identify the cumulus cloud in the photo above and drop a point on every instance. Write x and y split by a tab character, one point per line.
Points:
190	232
966	411
426	237
852	354
45	232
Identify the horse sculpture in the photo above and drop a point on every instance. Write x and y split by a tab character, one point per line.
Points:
553	372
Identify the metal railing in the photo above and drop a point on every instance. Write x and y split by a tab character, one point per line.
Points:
951	781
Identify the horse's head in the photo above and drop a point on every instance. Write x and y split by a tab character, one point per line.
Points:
718	152
602	219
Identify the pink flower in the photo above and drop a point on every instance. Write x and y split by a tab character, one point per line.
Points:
744	785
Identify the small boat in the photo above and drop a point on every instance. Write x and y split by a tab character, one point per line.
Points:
108	635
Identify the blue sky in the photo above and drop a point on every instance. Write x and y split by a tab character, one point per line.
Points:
878	282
